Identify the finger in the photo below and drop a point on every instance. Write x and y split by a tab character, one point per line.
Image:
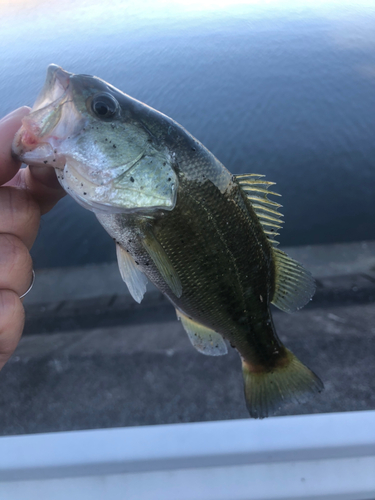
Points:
15	264
20	214
8	127
42	184
12	319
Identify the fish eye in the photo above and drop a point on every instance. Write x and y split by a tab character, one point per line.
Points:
104	105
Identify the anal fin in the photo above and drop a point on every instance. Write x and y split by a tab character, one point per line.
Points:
134	278
205	340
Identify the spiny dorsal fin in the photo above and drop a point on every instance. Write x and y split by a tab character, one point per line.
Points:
294	286
131	274
256	190
205	340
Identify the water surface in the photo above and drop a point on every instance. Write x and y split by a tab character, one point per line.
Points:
280	89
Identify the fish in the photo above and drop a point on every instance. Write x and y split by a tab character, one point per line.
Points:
206	238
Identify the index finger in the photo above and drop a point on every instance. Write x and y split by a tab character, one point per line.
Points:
8	127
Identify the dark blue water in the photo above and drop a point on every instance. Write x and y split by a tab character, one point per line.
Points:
278	89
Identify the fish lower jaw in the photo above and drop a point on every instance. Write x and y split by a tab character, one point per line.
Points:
43	155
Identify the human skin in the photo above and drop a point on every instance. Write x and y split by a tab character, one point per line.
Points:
25	195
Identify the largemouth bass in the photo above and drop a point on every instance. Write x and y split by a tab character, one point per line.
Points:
180	219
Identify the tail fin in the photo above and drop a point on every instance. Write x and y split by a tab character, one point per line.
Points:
266	391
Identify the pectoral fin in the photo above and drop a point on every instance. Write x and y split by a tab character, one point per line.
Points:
205	340
134	278
163	263
294	286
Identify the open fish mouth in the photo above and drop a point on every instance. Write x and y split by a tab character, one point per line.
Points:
106	161
52	120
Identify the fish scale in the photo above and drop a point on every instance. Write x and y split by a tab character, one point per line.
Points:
217	299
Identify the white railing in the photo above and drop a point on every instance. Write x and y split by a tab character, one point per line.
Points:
327	456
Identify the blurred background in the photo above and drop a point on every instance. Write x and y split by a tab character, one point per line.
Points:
281	88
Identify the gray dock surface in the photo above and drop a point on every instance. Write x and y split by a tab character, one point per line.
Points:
91	357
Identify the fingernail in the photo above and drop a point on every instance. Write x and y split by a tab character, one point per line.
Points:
17	113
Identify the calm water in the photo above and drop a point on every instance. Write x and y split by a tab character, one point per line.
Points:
276	89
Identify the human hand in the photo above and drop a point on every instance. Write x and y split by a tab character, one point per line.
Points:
25	195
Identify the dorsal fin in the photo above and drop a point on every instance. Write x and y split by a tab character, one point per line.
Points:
256	190
294	286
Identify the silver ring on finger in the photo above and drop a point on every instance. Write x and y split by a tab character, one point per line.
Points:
31	285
